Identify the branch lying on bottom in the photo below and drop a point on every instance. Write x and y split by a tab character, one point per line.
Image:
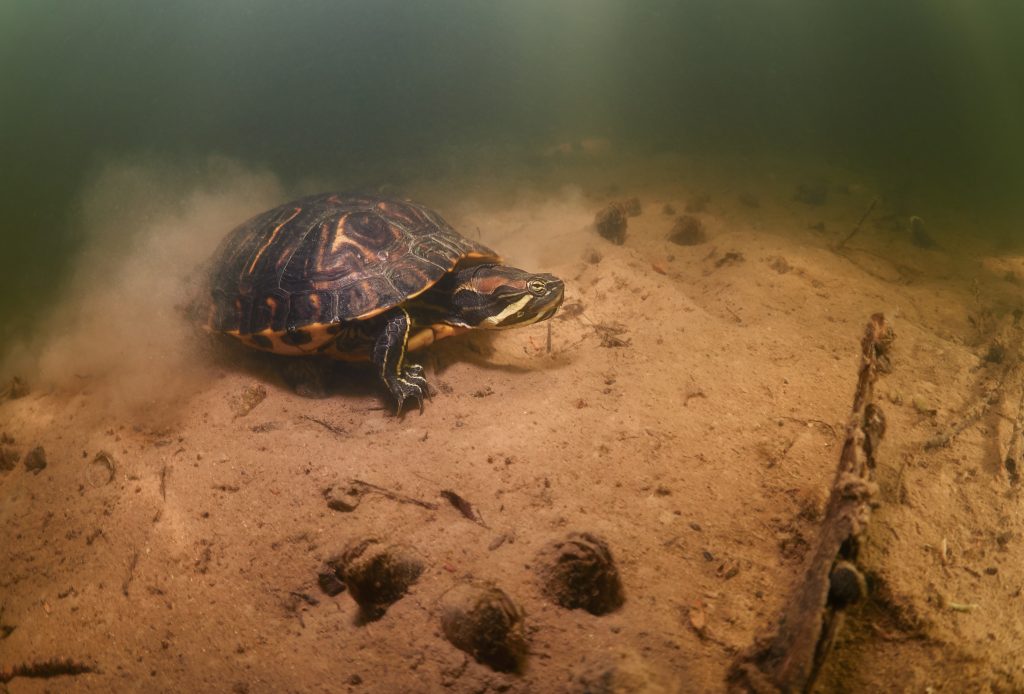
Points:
790	660
46	668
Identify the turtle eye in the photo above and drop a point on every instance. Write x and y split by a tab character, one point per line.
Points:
536	287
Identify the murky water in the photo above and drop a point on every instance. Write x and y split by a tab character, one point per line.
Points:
786	170
921	95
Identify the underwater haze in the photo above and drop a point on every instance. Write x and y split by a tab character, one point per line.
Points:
924	95
683	234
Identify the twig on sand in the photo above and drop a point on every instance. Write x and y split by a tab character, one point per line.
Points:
333	428
366	488
133	561
791	658
1012	457
839	246
44	669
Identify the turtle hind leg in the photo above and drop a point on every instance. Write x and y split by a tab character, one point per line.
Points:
404	380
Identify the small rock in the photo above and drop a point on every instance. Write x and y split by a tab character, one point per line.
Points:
330	578
378	575
922	405
579	572
35	460
347	503
9	457
779	264
251	396
482	620
919	237
499	541
15	388
667	209
611	223
342	505
631	207
592	256
687	231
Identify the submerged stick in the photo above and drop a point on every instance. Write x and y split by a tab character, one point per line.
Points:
839	246
333	428
44	669
1012	458
367	488
790	659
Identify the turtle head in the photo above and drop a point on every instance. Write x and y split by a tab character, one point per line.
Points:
494	297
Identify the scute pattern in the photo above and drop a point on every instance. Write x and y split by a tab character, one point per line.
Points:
330	258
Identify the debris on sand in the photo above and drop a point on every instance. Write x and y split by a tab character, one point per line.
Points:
15	388
919	237
245	402
330	576
730	258
9	457
35	460
688	231
483	621
101	470
463	506
378	575
46	669
611	222
610	334
631	207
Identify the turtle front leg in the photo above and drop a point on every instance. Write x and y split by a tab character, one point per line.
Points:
404	380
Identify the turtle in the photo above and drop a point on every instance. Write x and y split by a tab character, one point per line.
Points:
359	277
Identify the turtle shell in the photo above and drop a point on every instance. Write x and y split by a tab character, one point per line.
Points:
289	278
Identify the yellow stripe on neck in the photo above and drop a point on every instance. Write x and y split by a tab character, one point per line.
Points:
495	321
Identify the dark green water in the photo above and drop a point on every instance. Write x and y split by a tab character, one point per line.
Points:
920	94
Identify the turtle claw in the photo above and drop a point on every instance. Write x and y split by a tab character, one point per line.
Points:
410	385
